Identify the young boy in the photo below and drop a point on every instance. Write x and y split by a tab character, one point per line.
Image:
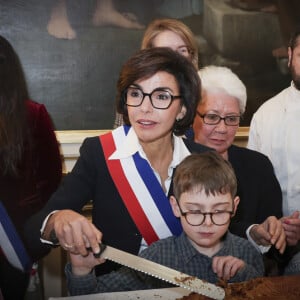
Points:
204	198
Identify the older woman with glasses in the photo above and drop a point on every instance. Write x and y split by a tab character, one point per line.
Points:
127	173
215	125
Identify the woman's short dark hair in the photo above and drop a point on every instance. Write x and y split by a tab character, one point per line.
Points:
146	63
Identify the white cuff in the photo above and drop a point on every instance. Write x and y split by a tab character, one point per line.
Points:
260	248
43	228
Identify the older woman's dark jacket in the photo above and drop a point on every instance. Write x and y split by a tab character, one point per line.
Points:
258	189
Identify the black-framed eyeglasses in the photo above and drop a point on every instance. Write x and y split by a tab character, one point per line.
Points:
214	119
159	98
197	218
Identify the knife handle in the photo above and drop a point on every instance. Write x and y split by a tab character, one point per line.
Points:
102	248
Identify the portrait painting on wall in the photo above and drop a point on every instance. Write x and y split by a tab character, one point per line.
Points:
72	50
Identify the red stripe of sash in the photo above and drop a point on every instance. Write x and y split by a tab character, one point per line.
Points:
125	190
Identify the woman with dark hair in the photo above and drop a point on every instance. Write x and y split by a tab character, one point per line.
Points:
170	33
127	173
30	164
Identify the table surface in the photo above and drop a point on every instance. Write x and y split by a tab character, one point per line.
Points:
275	288
165	294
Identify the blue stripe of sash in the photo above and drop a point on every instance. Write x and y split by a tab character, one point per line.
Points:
14	239
156	191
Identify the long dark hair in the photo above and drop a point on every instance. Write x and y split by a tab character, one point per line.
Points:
13	122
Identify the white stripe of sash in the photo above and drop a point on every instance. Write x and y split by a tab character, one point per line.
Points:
9	250
140	189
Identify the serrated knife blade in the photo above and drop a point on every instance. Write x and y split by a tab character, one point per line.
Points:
161	272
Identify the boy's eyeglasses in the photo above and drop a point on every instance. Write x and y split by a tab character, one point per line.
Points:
214	119
159	98
197	218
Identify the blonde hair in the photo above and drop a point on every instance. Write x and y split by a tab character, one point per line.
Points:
159	25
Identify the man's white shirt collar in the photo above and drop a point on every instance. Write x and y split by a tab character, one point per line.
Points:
295	91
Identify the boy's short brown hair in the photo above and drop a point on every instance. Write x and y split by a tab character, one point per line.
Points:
208	171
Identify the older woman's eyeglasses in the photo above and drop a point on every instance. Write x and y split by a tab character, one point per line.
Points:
197	218
214	119
159	98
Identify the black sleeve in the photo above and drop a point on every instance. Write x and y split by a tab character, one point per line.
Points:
258	189
75	191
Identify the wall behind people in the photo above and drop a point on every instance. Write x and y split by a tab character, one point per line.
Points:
76	78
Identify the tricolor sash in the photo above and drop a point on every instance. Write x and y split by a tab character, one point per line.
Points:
11	244
140	190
